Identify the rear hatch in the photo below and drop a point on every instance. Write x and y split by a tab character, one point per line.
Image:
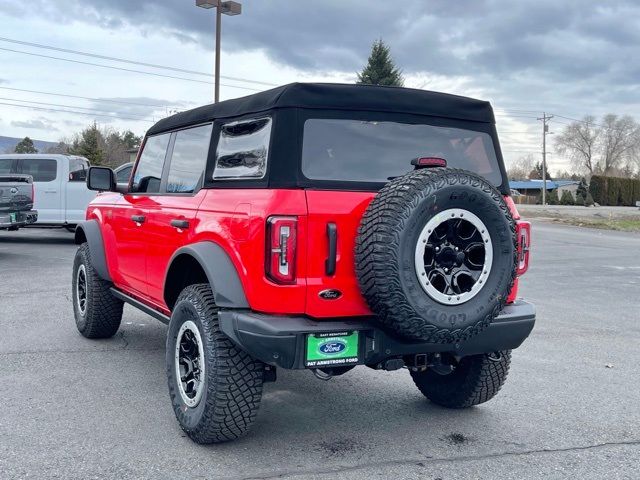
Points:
16	193
350	160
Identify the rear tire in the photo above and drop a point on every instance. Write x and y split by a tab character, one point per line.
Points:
476	379
97	312
215	398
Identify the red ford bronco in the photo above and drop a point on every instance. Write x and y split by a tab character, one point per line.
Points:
312	226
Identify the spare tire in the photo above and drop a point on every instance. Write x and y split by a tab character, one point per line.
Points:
436	255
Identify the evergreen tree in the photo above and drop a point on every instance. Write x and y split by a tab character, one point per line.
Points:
380	69
88	144
581	192
25	146
552	198
566	198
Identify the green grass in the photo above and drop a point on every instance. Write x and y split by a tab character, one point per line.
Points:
623	225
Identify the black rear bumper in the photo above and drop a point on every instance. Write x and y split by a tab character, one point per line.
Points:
18	219
281	341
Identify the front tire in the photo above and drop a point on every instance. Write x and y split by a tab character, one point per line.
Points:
97	312
474	380
215	388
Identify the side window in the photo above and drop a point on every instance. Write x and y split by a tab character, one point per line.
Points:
78	169
243	149
6	165
41	169
122	175
146	178
189	159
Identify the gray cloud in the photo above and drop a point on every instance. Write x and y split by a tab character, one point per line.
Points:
36	124
568	39
543	50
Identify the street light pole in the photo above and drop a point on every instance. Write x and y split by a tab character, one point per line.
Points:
228	8
216	95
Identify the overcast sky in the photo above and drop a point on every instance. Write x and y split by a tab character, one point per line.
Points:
567	57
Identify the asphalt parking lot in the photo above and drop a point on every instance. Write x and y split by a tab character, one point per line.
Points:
74	408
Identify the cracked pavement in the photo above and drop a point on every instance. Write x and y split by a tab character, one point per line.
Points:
74	408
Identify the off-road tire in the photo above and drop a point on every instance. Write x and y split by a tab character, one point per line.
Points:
475	380
232	381
103	311
385	249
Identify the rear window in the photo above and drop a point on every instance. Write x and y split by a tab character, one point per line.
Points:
377	151
41	169
6	166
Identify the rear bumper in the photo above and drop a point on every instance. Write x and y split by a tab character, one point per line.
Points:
281	341
18	219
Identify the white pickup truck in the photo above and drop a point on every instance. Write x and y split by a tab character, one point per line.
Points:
61	193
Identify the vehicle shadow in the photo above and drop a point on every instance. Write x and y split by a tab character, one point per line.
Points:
53	236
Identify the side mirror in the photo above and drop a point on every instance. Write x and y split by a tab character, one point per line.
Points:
102	179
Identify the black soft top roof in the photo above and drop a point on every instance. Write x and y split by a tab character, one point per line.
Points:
334	96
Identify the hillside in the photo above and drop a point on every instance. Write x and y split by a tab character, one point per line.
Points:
7	144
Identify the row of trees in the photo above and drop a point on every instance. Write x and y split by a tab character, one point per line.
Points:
615	191
609	147
101	146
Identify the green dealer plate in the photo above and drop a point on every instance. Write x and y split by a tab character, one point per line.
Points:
12	217
332	349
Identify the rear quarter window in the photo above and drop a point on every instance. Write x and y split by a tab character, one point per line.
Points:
243	149
377	151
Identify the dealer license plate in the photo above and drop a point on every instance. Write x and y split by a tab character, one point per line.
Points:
332	349
12	217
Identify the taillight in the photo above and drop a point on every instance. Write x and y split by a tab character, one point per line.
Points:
281	249
523	234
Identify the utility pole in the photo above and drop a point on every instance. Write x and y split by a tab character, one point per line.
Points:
545	131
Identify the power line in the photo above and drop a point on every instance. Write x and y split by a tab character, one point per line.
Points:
124	69
132	62
143	117
108	100
31	107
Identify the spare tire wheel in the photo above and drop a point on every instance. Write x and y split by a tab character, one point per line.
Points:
436	255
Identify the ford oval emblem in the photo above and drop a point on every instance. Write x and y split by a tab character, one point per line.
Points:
330	294
332	347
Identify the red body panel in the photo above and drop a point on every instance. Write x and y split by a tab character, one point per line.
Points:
345	209
236	220
138	255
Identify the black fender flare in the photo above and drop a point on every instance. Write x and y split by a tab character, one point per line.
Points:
89	231
219	269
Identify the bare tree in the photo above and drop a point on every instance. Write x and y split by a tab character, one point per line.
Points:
610	147
521	168
619	143
579	142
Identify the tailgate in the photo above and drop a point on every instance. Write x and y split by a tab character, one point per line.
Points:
16	193
329	212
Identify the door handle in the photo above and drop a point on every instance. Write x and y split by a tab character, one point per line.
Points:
138	218
50	191
332	237
181	224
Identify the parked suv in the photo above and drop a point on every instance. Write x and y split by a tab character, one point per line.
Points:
312	226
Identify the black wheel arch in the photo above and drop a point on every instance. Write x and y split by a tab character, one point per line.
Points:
89	232
204	262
